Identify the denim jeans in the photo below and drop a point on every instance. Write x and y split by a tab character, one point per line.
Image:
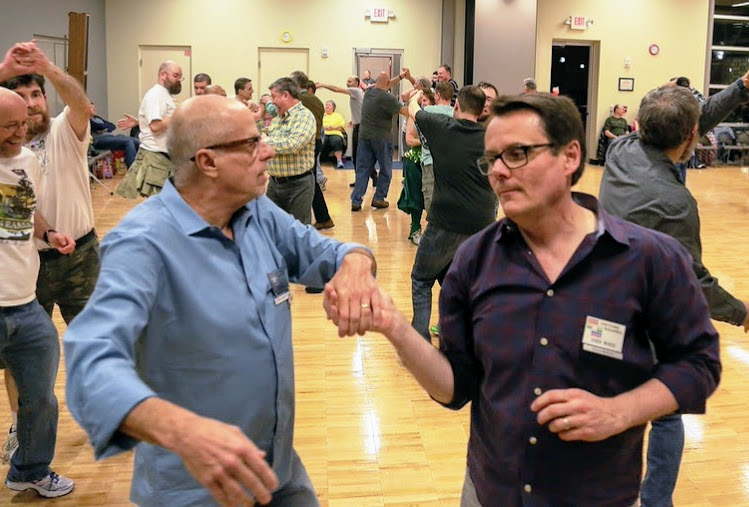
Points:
665	447
368	152
129	145
294	196
30	349
433	257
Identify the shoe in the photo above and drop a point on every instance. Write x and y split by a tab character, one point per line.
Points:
328	224
435	330
11	445
352	185
380	203
313	290
49	486
356	207
415	237
339	165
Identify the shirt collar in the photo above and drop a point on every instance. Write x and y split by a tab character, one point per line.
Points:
289	110
606	224
188	219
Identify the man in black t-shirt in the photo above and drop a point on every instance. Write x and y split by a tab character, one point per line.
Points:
375	144
463	201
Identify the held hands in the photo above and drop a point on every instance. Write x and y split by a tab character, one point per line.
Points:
62	242
127	122
575	414
227	463
25	58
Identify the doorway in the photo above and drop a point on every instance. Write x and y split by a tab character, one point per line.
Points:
151	57
574	69
273	63
56	50
390	61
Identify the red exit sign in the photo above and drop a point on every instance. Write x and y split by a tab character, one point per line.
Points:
378	14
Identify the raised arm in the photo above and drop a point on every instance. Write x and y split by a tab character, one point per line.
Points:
332	88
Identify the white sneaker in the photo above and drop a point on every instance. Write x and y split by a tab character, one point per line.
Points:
49	486
11	445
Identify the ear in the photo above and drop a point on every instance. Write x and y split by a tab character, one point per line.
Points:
572	153
205	160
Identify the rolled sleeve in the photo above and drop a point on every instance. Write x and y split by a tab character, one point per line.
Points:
685	340
100	344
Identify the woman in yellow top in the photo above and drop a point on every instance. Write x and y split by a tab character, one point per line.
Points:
334	126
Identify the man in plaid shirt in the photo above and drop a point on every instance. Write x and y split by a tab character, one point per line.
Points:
292	136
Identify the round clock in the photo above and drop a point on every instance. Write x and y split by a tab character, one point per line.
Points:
286	36
654	49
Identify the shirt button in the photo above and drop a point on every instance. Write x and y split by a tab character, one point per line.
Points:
550	292
537	391
533	440
544	342
527	488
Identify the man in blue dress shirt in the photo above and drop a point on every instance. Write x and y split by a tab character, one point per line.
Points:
184	351
551	321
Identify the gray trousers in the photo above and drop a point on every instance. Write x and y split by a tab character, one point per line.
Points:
294	196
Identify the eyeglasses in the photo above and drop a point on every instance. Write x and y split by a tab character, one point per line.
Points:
514	157
250	142
14	127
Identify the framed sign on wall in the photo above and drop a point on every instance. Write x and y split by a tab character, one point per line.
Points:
626	84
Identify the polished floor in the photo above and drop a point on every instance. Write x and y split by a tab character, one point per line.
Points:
368	434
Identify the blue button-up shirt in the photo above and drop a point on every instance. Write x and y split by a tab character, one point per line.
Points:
184	313
510	334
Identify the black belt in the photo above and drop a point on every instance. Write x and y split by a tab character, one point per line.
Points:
52	253
286	179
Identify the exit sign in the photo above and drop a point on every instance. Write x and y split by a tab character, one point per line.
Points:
579	23
378	14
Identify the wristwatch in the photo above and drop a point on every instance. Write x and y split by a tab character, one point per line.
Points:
45	236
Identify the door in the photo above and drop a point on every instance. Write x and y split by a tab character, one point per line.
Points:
56	50
273	63
390	61
574	69
151	57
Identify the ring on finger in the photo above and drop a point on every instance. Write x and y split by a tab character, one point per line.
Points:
566	423
365	305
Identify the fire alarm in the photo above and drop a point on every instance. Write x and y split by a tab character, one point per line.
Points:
654	49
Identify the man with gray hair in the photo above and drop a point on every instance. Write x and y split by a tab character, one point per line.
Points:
642	184
529	85
292	135
196	372
152	167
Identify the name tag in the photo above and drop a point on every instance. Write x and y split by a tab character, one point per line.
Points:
279	285
603	337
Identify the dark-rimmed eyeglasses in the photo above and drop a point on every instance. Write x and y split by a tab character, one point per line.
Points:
251	144
513	157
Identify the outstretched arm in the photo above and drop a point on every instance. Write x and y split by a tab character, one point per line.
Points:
332	88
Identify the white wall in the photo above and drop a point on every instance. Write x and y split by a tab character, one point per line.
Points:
20	21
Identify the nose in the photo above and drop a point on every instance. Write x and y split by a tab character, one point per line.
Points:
265	151
499	169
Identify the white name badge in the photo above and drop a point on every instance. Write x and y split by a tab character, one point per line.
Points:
603	337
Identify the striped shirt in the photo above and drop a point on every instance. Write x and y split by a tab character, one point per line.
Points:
510	335
293	137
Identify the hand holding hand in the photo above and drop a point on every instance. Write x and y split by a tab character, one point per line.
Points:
352	296
575	414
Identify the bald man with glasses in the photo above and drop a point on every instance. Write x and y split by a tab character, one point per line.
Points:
185	350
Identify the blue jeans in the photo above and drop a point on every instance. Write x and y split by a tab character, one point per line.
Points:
665	447
368	153
433	257
127	144
30	349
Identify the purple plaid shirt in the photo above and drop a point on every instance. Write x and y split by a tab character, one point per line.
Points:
510	335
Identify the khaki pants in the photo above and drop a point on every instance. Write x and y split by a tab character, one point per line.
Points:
146	176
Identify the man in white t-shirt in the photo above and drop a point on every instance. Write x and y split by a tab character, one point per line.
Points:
29	347
152	166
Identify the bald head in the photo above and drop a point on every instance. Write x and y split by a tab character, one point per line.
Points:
201	122
382	80
13	116
214	89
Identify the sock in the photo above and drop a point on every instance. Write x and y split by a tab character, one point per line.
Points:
15	418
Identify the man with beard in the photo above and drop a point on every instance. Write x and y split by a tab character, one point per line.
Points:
491	93
152	166
60	145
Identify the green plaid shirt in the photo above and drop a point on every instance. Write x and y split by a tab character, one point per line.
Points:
293	137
